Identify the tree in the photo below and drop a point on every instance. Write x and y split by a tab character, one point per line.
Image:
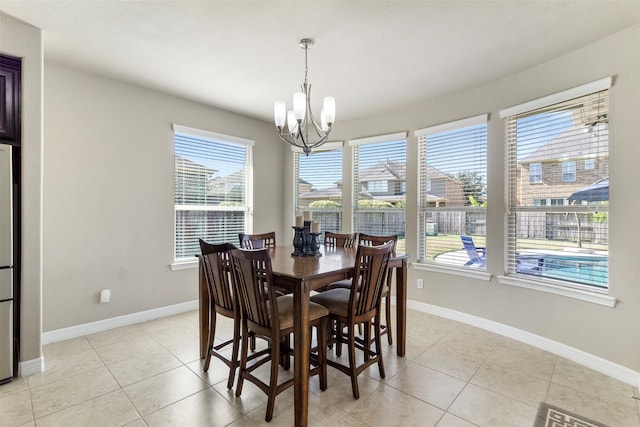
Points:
324	204
473	186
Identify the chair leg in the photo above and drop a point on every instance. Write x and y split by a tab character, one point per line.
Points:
235	346
322	352
352	363
338	338
378	339
387	310
273	381
212	334
367	340
243	358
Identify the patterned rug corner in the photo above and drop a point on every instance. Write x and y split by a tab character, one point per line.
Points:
552	416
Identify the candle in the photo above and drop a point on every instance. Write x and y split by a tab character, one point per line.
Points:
315	227
298	220
307	215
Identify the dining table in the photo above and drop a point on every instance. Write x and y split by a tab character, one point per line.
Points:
301	275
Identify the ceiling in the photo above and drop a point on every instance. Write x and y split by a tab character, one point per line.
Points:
372	56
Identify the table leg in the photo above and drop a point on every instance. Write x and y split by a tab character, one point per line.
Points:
204	310
301	353
401	308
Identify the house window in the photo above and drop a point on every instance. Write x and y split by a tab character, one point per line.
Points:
377	187
558	243
453	159
569	171
589	164
375	160
535	173
319	185
212	192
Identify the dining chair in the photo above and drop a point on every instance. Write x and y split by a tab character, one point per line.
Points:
217	274
353	306
372	240
339	240
271	317
257	241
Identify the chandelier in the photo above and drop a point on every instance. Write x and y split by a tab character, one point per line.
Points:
300	120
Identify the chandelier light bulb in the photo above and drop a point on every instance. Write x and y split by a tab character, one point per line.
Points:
299	105
292	123
279	113
329	108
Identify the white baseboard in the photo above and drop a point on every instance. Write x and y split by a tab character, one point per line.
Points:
596	363
31	367
116	322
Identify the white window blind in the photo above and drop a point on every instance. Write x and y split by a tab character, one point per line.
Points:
453	192
212	193
557	228
379	209
318	188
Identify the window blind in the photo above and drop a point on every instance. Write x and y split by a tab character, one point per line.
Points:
212	189
557	191
452	191
379	186
318	187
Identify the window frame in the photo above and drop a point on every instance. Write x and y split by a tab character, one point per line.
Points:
424	187
297	210
584	292
247	208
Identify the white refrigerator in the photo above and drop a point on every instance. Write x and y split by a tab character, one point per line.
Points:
6	266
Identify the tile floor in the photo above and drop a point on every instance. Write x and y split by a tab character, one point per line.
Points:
454	375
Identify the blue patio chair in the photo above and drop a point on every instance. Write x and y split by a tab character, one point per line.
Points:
477	255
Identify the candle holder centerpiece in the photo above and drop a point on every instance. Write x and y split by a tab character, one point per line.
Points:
305	238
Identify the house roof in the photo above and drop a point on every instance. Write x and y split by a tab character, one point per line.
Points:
577	142
181	162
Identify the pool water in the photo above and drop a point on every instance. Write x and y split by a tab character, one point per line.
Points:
588	270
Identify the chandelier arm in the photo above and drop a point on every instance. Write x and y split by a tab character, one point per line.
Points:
292	141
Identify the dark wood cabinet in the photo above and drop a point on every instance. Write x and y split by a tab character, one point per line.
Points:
9	100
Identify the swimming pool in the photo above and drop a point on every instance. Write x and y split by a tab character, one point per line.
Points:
585	269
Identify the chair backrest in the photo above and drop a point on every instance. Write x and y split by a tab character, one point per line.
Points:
217	274
337	240
257	241
371	240
254	284
371	272
471	249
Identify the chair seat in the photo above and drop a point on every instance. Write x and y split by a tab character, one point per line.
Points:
336	300
285	308
346	284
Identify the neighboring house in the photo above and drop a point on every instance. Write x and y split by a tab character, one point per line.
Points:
227	189
442	190
386	181
304	186
576	158
191	181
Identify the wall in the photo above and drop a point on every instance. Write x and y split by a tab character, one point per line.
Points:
25	41
610	333
108	194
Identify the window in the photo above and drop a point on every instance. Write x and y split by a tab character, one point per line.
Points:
535	173
560	244
319	185
375	160
212	193
589	164
453	159
569	171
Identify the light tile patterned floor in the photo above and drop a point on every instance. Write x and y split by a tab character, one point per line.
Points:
453	375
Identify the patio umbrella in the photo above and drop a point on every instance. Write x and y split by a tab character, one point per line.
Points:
597	192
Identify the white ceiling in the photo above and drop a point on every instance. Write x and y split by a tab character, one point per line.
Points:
372	56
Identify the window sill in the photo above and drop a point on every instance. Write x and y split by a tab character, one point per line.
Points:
592	297
184	265
458	271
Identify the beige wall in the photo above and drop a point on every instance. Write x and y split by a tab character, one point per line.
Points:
25	41
613	334
108	194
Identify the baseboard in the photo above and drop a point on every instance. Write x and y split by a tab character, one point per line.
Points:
596	363
116	322
31	367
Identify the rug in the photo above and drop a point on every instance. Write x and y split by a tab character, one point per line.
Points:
552	416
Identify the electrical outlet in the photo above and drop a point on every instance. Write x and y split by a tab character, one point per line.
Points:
420	284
